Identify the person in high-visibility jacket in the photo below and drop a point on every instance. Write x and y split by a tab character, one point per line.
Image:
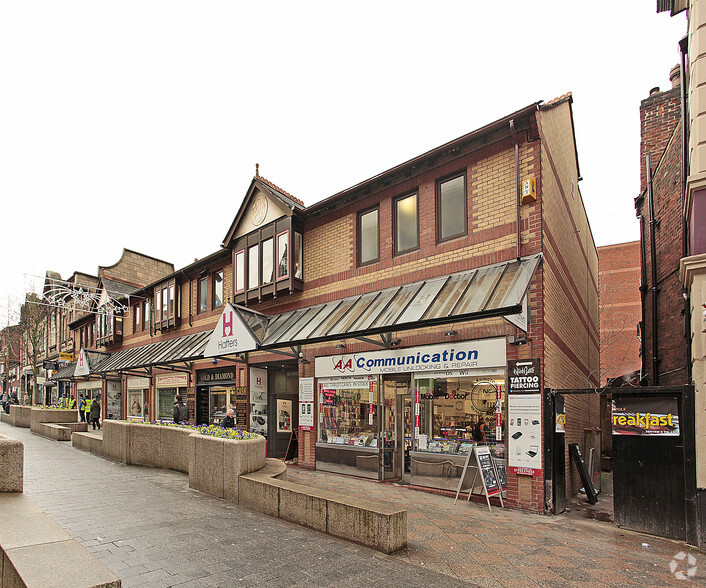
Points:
72	402
87	410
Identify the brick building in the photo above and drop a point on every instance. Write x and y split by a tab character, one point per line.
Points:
391	323
663	236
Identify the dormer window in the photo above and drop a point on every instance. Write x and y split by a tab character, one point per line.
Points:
268	262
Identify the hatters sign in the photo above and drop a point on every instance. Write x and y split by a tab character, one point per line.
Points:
231	335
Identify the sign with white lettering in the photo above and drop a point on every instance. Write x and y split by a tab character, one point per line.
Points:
231	335
524	376
462	355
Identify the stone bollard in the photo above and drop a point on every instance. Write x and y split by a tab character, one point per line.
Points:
11	465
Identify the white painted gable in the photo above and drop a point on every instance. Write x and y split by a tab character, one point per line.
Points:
261	210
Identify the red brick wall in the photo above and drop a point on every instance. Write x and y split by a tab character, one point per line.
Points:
620	309
660	122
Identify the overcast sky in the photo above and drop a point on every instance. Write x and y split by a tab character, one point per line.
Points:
138	124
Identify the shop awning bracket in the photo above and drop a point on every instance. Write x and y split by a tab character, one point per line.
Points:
294	353
385	340
172	368
238	358
147	372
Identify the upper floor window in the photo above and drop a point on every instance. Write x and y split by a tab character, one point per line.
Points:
268	261
406	223
240	271
253	267
203	294
217	288
282	255
369	236
136	319
451	207
165	305
146	315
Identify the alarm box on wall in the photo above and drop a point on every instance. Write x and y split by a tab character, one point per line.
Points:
529	190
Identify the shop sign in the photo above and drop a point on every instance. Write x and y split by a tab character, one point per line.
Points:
306	404
231	335
654	417
83	367
241	407
524	430
172	380
88	385
138	383
521	319
50	365
40	380
524	376
465	355
210	376
66	356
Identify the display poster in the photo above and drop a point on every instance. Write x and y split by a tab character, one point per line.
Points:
654	417
524	414
306	404
523	376
241	407
485	465
284	416
559	414
258	385
258	419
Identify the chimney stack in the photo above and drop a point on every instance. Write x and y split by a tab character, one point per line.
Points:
674	76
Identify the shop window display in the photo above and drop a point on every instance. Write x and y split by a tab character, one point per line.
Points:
136	403
348	413
222	398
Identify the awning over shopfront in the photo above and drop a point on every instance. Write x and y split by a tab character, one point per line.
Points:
162	353
64	373
493	290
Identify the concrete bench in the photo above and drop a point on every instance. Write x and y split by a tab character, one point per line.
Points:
37	552
88	442
60	431
8	418
379	526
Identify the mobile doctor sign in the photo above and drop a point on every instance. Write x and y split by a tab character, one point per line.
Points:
465	355
231	335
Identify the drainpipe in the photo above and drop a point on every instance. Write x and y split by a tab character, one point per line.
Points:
517	188
653	263
683	52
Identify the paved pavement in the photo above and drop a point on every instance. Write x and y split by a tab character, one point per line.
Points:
151	529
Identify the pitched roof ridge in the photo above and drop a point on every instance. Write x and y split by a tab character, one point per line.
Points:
558	99
276	187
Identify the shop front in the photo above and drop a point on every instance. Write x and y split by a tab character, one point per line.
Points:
411	414
216	392
113	400
138	397
168	386
90	389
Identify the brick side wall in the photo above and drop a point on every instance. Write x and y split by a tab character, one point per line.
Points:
659	115
571	325
672	342
136	268
620	309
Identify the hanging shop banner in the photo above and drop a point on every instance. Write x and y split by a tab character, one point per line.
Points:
83	367
654	417
524	376
482	353
231	335
306	404
524	414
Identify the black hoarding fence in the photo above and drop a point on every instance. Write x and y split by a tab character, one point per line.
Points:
654	458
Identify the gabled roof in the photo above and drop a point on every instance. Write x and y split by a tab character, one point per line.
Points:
288	201
117	289
568	98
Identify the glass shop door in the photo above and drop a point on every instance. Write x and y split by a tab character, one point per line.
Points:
397	428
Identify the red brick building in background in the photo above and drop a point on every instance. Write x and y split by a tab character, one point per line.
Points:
665	332
621	311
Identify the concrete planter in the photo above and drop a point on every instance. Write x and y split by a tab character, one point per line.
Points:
50	415
21	415
12	463
215	464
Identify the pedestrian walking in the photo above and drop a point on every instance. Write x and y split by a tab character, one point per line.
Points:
180	412
96	412
82	408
